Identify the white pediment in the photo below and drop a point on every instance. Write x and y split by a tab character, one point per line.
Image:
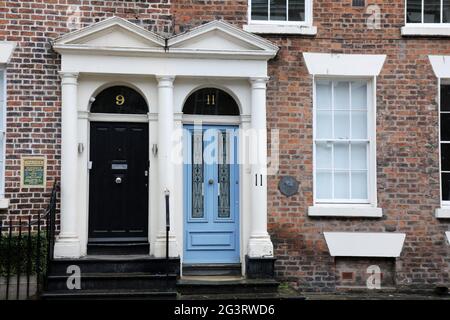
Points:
113	32
117	36
216	40
219	36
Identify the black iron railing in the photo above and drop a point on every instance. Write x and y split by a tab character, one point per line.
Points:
27	252
167	195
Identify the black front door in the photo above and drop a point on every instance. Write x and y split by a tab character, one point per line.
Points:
118	189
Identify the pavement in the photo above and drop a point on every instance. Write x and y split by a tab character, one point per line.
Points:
287	293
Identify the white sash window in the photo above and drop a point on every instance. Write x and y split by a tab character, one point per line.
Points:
2	131
427	18
280	17
430	11
343	137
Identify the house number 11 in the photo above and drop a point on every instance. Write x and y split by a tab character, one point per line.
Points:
210	99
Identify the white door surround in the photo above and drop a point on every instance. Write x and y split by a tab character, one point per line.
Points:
116	51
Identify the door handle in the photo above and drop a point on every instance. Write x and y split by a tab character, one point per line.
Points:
118	180
211	181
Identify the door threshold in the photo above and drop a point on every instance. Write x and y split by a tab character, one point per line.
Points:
119	240
212	278
212	269
118	248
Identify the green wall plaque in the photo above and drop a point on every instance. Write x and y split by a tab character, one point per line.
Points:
33	172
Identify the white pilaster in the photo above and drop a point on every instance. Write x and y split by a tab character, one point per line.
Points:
68	243
260	244
165	166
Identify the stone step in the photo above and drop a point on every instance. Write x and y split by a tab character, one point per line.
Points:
115	281
110	295
117	264
225	285
118	248
212	269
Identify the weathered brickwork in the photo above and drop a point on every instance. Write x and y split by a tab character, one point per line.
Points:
407	149
407	122
357	273
33	84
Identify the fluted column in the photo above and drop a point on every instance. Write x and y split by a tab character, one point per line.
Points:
68	243
260	244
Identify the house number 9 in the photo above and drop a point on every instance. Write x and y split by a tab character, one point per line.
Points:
120	100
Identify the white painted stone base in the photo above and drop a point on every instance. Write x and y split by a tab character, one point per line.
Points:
159	249
67	248
260	246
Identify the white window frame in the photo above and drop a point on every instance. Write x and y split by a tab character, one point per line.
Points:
441	68
308	15
423	28
444	203
444	210
3	132
282	27
347	67
371	130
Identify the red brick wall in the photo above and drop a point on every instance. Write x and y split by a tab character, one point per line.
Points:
407	135
33	92
407	132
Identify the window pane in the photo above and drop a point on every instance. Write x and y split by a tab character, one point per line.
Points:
359	125
445	127
324	125
445	97
323	185
341	124
296	10
2	110
341	95
445	156
259	10
359	185
323	93
341	156
432	11
323	155
341	185
359	95
446	12
359	156
197	175
414	11
278	10
2	94
445	178
223	172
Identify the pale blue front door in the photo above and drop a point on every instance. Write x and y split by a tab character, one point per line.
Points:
211	195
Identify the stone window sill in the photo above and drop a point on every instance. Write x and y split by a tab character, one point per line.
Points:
4	203
281	29
423	30
345	211
442	213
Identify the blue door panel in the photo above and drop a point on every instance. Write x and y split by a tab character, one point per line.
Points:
211	240
211	195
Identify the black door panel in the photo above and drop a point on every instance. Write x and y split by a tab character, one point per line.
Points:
118	189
